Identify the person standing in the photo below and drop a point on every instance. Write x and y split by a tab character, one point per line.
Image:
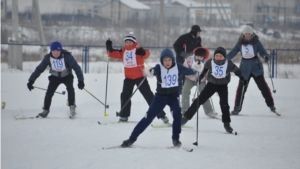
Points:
218	77
61	63
167	93
184	46
196	63
249	46
132	56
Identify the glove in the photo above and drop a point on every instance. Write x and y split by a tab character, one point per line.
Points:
197	66
29	85
108	44
148	71
140	51
243	81
267	58
80	85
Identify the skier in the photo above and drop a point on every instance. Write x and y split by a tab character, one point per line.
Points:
184	46
196	62
133	57
249	46
167	93
218	77
61	63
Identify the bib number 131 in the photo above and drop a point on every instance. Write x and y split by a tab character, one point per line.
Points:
170	80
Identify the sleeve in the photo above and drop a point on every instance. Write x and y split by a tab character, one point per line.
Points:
147	54
199	43
178	45
233	68
156	70
39	69
188	62
74	65
234	51
185	71
261	50
116	54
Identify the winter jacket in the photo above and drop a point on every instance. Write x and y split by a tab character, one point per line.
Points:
189	63
69	62
231	67
136	70
181	71
185	45
252	65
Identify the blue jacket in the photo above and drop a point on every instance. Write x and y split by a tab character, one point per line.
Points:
70	63
181	71
249	66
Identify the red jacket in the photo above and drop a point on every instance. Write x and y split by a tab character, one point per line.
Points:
133	64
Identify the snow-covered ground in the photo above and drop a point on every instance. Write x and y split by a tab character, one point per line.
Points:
264	140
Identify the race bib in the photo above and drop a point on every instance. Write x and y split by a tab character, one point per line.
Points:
169	77
129	58
57	65
219	71
247	51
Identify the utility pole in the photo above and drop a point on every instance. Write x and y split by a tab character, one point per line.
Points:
161	23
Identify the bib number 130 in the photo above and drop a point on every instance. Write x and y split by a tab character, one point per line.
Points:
170	80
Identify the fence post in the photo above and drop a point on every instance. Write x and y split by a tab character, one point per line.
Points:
85	59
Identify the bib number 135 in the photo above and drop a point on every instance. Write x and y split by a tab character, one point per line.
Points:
219	71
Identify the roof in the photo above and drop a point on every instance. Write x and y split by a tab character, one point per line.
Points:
134	4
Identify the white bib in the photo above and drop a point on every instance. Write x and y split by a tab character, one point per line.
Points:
129	58
169	77
247	51
219	71
57	65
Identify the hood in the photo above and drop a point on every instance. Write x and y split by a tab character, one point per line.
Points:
167	53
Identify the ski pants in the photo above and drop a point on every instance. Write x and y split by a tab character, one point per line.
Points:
185	98
206	93
54	82
145	89
157	105
262	86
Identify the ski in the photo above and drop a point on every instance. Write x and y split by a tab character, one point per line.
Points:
168	125
25	118
233	132
117	122
134	146
276	113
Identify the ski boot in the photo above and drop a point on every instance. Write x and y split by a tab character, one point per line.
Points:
123	119
72	111
44	114
165	119
272	108
127	143
212	114
176	143
227	127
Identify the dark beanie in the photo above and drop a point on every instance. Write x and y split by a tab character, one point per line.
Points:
195	29
55	46
220	50
200	52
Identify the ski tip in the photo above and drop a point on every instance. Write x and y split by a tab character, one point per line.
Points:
105	115
99	122
235	133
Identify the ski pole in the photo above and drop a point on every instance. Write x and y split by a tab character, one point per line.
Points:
241	99
274	91
107	106
63	92
196	143
118	113
105	114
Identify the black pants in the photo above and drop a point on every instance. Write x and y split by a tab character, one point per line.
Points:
262	86
145	89
54	82
206	93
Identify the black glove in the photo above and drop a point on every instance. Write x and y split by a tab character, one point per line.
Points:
80	85
243	81
140	51
267	58
29	85
109	44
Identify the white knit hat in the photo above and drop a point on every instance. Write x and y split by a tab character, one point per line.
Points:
247	29
130	37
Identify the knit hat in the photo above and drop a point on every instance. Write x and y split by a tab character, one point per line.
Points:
55	46
130	37
203	52
195	29
247	29
220	50
167	53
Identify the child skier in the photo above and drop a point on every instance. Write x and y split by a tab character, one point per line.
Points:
167	93
61	63
200	56
218	77
133	57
